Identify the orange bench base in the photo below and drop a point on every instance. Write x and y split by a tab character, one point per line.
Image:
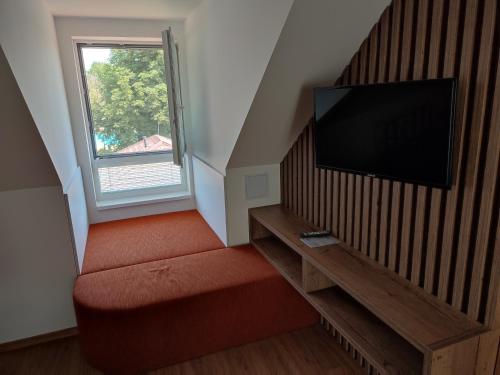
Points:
153	314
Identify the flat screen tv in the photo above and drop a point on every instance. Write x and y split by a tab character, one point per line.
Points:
401	131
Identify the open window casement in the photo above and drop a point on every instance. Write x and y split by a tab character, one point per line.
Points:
175	106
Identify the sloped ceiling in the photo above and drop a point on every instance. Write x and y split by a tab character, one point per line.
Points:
316	43
28	39
31	167
145	9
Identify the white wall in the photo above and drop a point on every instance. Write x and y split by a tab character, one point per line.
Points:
37	256
37	264
317	42
238	204
69	28
229	43
210	197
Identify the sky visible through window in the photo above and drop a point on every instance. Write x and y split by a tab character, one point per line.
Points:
92	55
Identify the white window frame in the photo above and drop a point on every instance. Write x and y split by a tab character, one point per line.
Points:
117	160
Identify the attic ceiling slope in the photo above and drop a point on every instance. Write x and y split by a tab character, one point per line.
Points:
32	167
28	39
145	9
316	42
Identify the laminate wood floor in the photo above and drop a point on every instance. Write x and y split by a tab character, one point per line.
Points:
307	351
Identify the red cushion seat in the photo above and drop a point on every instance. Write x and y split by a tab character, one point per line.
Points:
144	239
152	314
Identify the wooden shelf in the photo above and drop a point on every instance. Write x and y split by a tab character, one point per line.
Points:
397	326
280	256
377	342
419	317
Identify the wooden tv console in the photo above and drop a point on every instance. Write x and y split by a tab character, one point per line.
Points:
396	326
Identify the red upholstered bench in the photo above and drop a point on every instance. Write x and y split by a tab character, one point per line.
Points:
152	314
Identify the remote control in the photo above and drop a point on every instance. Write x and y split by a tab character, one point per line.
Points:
321	233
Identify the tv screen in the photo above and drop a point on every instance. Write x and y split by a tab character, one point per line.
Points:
401	131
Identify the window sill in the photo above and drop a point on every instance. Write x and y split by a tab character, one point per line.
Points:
142	200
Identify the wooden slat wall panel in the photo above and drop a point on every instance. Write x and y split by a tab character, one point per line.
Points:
441	240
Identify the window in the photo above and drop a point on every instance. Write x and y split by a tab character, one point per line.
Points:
133	118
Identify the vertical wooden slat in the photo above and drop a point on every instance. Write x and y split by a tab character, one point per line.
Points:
305	173
310	173
290	179
336	204
407	231
395	51
375	216
282	183
284	192
342	206
407	43
293	177
328	201
394	229
384	221
418	236
365	197
373	55
384	45
421	47
432	240
463	98
363	63
479	117
357	213
298	179
322	198
350	208
347	76
316	196
438	25
355	69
